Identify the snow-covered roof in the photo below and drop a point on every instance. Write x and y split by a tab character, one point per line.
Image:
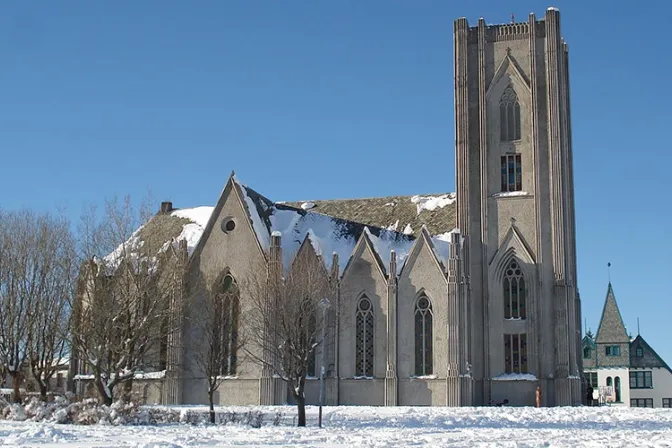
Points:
328	234
335	235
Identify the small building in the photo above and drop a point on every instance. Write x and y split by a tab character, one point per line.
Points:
620	370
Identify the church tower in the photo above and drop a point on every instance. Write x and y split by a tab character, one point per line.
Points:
515	203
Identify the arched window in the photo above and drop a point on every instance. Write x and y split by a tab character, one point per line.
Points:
364	343
514	292
617	387
509	115
423	336
227	314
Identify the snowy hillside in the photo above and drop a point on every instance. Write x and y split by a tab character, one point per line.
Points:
381	427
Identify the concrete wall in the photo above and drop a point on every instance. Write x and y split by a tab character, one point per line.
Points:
361	392
362	277
422	392
239	253
518	392
421	275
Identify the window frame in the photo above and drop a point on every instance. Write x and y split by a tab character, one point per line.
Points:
640	379
515	353
609	349
364	345
635	402
227	315
424	333
510	125
511	169
591	379
514	292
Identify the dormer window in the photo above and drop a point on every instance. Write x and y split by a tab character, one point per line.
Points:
639	352
612	350
587	353
509	116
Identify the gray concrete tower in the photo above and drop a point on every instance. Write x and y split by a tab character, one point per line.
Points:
516	205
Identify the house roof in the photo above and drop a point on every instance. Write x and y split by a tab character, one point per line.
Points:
406	214
611	329
649	356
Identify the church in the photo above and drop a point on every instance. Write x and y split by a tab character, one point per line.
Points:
460	299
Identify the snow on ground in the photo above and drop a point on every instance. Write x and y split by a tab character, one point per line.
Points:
380	427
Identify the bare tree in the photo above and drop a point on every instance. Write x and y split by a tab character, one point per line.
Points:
219	341
53	289
127	286
285	322
36	255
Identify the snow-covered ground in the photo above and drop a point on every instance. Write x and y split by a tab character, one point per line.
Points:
378	427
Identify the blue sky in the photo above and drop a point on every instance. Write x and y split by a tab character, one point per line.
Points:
337	99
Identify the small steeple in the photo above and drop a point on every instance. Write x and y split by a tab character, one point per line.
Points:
611	328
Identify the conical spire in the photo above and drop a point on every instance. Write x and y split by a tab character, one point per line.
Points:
611	329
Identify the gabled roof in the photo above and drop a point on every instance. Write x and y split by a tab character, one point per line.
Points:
335	234
649	356
588	342
611	329
406	214
333	227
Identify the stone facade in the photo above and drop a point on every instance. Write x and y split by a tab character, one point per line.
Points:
529	219
494	266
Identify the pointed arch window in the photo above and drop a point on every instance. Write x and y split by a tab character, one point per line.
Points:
423	337
227	316
514	292
509	115
364	339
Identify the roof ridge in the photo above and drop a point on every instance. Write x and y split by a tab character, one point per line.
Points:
369	197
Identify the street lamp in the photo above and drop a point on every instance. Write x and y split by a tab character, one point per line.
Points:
324	305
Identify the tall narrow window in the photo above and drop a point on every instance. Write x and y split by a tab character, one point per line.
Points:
227	310
514	292
515	353
512	177
423	337
617	387
364	339
509	116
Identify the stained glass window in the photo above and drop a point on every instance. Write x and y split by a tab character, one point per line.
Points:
364	339
423	337
514	292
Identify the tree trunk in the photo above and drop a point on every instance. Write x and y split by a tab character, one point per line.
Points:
211	397
16	382
300	407
102	391
43	390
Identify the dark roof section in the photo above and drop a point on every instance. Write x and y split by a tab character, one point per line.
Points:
588	342
384	212
344	228
263	205
649	356
611	329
